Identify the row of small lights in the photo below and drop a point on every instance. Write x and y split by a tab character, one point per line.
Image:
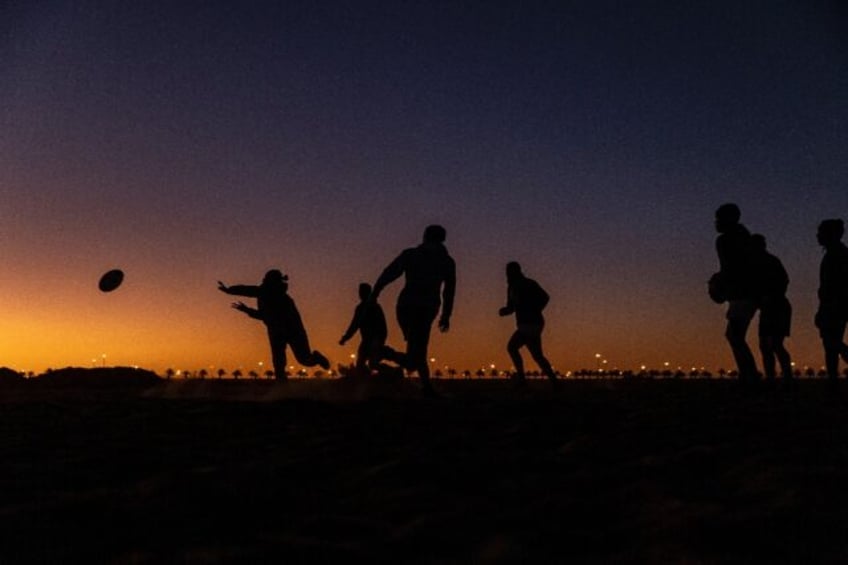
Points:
600	360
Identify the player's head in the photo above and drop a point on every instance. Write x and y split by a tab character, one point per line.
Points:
513	270
758	243
364	291
275	277
830	232
727	216
435	234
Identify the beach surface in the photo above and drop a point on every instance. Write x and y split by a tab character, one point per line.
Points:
325	471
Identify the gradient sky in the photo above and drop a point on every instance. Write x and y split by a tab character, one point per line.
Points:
187	142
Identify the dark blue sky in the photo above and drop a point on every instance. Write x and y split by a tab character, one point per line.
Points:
191	141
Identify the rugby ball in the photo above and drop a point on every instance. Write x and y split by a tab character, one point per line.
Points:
111	280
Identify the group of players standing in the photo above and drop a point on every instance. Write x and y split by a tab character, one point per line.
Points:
751	279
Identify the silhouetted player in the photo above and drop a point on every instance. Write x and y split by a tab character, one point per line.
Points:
775	309
734	257
370	322
279	313
430	282
832	315
526	299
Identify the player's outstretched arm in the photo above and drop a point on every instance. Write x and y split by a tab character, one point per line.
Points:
242	307
239	289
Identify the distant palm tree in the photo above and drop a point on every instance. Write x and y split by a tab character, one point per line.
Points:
169	373
221	373
253	374
269	374
237	374
202	373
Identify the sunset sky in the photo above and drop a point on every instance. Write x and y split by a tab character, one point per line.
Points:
187	142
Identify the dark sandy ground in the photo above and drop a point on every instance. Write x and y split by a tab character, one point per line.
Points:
256	472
